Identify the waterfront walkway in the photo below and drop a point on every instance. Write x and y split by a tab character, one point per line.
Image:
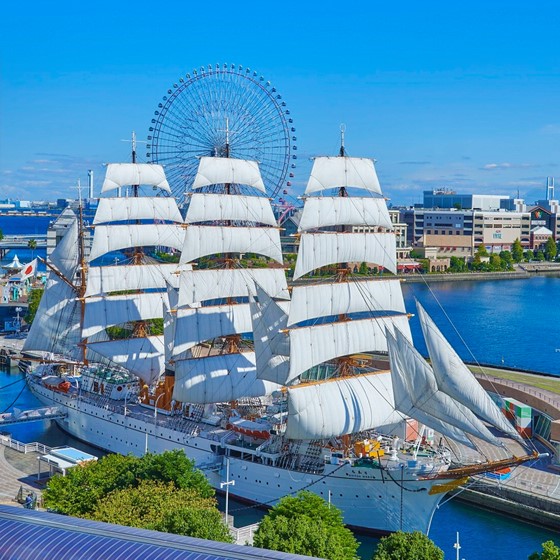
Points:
17	470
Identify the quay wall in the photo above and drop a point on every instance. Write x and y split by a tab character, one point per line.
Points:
514	503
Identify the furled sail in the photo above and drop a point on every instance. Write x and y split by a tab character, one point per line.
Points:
137	208
331	211
116	237
143	357
210	207
169	311
313	345
201	241
103	312
341	406
334	172
107	279
324	300
210	284
454	377
122	174
322	249
216	170
221	378
430	399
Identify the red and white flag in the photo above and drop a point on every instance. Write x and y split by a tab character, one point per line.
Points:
28	270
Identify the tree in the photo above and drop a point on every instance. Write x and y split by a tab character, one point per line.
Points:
79	492
529	255
1	235
457	264
33	301
550	249
305	524
539	256
517	251
549	552
32	244
161	506
481	251
407	546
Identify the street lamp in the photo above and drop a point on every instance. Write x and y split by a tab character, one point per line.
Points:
18	323
227	484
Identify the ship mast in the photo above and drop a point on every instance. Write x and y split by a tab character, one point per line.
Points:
83	267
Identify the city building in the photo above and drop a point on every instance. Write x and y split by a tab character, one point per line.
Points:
449	199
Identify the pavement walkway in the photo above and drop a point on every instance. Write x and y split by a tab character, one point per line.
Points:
17	470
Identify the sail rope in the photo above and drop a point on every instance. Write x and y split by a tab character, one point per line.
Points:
12	383
15	400
292	493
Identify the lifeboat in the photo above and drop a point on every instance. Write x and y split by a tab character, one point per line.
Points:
248	427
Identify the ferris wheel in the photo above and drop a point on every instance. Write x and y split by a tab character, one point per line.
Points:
214	103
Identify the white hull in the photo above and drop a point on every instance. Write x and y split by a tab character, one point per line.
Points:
370	499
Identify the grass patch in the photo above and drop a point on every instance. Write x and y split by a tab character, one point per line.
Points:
533	380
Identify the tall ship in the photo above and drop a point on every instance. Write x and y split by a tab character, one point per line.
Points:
280	389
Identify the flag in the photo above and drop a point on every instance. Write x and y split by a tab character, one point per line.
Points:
28	270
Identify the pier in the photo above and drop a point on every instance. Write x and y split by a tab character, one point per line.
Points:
10	242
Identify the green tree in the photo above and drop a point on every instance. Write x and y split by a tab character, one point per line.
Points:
79	492
549	552
457	264
163	507
1	235
305	524
539	256
32	244
550	249
363	269
495	263
529	255
407	546
481	251
33	301
517	251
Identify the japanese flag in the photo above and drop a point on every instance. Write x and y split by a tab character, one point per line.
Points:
28	270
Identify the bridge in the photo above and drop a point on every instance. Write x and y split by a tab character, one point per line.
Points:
31	415
9	242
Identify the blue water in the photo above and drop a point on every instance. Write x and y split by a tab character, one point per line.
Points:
502	322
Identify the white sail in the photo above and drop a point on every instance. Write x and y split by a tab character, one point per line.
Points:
332	172
313	345
65	255
217	170
169	321
137	208
322	249
201	241
405	397
122	174
215	379
141	356
328	211
341	406
206	323
103	312
107	279
116	237
430	399
271	344
56	327
209	284
206	207
454	377
324	300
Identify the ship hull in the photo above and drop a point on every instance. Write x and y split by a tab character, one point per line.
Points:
370	499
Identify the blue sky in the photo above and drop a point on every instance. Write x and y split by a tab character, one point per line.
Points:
442	94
